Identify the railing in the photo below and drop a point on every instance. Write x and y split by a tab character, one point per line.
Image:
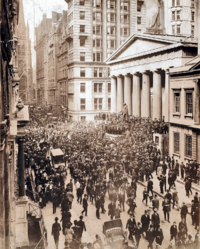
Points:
32	184
36	211
42	242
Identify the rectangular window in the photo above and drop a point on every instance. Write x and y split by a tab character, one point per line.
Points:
98	103
94	16
126	33
176	142
173	15
94	57
173	3
112	17
82	2
98	56
98	17
173	30
178	29
93	43
98	43
112	4
83	118
126	6
82	87
98	30
192	16
109	104
178	2
82	56
189	103
109	87
94	30
82	42
192	3
82	104
82	72
82	28
177	102
112	30
97	3
188	146
139	20
139	7
95	72
126	19
178	15
98	87
82	15
112	44
192	29
100	72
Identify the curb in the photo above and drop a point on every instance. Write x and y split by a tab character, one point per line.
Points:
193	187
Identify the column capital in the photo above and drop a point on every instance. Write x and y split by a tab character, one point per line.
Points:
158	70
120	76
147	72
127	75
137	73
113	77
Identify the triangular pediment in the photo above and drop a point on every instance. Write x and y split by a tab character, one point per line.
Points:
137	45
140	46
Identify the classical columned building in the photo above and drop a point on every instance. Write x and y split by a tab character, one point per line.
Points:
139	72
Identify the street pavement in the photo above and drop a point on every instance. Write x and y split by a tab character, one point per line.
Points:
94	226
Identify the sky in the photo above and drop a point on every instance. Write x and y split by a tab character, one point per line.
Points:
41	7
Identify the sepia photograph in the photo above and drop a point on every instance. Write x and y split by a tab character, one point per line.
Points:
100	124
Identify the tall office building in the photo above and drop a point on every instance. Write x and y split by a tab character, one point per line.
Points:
179	16
95	29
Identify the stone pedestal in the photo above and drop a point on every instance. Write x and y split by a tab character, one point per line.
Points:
21	222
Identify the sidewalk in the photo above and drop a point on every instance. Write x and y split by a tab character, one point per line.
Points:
180	187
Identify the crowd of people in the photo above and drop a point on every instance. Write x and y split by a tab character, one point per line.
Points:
99	166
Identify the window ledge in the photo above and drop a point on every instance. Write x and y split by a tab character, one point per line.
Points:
188	115
176	154
176	114
188	158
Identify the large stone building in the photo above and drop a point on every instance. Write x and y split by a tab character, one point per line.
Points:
184	135
13	117
184	111
62	60
139	71
95	29
41	48
24	59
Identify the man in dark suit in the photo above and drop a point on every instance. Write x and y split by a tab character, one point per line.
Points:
56	228
173	231
81	224
155	218
98	205
166	208
145	220
85	205
138	232
131	225
150	187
